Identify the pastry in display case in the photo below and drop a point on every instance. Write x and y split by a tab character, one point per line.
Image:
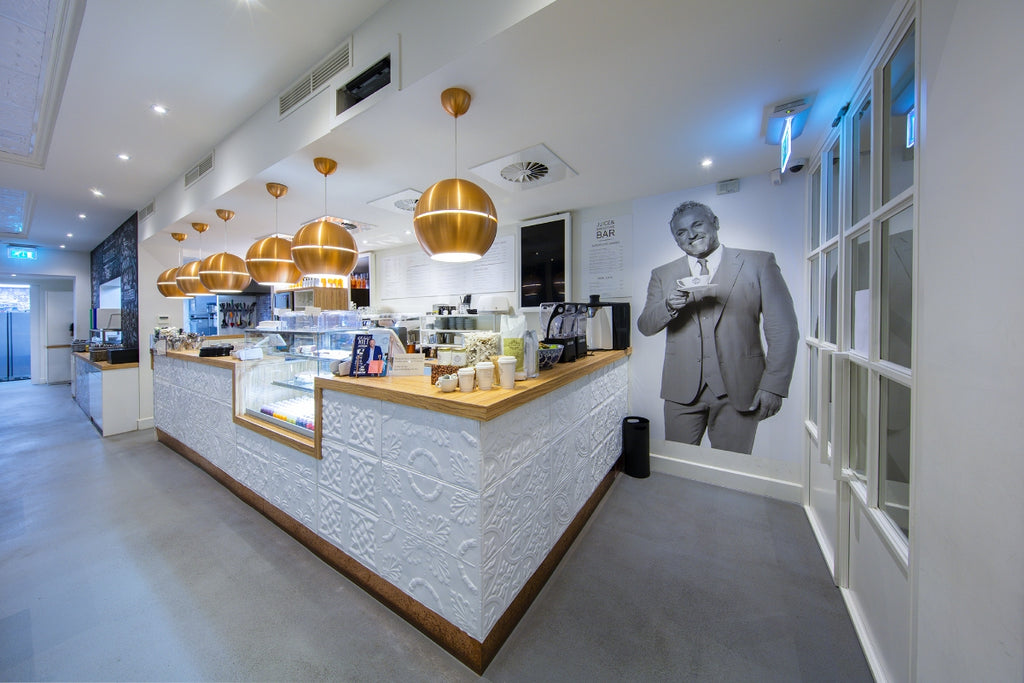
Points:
277	385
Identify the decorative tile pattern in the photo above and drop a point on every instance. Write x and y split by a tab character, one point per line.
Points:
456	513
438	445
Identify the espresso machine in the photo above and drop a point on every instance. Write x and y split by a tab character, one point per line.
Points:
608	324
565	324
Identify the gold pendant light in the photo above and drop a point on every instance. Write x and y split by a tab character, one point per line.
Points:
223	272
455	220
188	274
167	282
269	260
324	249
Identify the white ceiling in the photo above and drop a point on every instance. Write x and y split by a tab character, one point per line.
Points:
632	94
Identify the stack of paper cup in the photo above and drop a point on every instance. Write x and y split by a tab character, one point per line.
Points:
466	379
507	371
485	374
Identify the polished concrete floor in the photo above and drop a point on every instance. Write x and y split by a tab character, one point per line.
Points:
119	560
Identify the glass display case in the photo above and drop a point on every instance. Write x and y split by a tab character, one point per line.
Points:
277	388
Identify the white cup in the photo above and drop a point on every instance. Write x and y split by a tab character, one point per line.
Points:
467	377
507	371
485	374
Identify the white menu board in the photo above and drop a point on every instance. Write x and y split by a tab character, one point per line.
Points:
607	253
415	274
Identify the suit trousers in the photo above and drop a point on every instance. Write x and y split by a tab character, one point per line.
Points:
728	429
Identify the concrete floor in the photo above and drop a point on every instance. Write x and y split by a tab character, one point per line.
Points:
119	560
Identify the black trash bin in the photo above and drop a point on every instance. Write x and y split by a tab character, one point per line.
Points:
636	446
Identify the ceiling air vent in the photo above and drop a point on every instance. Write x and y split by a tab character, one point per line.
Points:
199	170
147	211
524	171
315	78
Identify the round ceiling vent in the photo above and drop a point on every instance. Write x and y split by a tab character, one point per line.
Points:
524	171
408	204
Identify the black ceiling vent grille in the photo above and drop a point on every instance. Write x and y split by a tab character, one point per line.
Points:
365	84
199	170
524	171
315	79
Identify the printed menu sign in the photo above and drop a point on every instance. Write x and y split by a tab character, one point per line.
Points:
607	252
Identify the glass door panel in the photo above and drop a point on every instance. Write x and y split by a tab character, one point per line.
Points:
858	433
815	209
860	293
861	146
899	114
831	294
832	224
896	291
894	453
815	298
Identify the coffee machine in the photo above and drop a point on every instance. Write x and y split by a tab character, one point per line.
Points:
608	324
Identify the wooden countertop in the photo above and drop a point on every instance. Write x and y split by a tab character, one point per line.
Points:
478	405
102	364
192	355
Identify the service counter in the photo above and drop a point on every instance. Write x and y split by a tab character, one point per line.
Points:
108	393
452	509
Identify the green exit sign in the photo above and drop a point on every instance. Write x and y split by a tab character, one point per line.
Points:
22	253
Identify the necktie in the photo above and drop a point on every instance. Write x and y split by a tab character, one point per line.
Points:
703	263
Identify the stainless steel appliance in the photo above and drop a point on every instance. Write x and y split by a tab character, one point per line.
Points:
608	325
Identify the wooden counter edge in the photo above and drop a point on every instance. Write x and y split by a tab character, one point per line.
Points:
499	403
102	365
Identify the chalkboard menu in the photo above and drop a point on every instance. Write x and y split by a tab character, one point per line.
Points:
118	256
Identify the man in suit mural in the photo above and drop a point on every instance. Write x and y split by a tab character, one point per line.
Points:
713	302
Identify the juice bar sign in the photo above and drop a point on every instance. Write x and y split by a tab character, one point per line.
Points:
22	253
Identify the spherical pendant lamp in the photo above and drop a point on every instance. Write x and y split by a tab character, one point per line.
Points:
269	261
167	282
324	249
188	274
455	220
223	272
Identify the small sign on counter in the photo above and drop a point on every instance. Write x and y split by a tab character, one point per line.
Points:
408	365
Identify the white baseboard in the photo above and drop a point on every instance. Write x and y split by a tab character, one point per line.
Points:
144	423
748	482
867	644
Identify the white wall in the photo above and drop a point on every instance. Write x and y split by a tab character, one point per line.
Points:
967	549
61	263
761	216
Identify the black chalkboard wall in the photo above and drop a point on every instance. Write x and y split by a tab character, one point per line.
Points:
118	256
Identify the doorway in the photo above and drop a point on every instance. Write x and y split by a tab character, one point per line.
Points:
15	336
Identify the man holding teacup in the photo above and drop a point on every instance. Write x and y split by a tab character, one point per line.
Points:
713	302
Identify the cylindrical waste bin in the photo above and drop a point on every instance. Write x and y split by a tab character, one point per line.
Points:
636	446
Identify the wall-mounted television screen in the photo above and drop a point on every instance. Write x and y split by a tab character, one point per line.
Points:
545	248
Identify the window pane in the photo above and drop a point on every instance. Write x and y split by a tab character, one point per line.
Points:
816	208
898	130
831	413
831	294
812	385
896	294
861	163
815	298
894	453
860	293
858	421
832	227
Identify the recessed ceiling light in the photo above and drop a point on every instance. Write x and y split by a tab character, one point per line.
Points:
159	109
81	216
62	246
96	191
706	163
124	157
70	235
408	232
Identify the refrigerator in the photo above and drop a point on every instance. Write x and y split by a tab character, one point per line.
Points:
15	358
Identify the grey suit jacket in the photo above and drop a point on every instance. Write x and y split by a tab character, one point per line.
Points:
750	287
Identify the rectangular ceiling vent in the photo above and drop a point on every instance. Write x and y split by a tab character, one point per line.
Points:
315	79
199	170
147	211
